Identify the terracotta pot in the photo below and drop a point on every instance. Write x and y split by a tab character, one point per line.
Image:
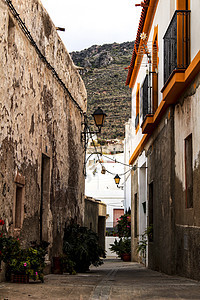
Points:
57	266
19	278
126	257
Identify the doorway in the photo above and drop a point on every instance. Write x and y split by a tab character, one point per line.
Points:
45	197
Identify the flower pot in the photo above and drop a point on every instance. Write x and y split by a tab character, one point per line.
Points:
19	278
126	257
57	265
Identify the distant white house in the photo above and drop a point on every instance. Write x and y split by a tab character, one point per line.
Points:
103	187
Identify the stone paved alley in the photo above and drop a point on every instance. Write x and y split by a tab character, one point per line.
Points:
113	280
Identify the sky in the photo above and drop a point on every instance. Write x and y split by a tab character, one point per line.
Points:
92	22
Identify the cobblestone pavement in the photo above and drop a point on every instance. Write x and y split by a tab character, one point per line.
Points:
114	280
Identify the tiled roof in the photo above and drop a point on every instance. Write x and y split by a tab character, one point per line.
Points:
145	4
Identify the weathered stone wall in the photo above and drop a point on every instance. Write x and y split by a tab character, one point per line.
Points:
91	214
95	218
160	153
187	122
39	119
176	229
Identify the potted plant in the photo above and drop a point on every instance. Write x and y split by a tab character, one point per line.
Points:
19	268
67	265
123	227
10	249
122	248
81	246
22	263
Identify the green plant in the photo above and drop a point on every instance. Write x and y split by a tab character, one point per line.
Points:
81	246
23	261
9	247
123	227
149	233
142	243
67	265
123	246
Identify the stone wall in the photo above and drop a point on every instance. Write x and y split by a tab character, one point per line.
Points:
41	156
95	218
160	154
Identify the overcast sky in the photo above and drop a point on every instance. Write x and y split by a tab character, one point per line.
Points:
92	22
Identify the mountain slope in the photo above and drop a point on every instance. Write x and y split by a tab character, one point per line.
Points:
104	77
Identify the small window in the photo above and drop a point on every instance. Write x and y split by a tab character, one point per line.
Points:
18	206
188	172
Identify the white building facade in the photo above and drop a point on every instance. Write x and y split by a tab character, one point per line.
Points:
102	186
164	75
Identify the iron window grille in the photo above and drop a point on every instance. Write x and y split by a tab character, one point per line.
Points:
136	121
146	107
177	43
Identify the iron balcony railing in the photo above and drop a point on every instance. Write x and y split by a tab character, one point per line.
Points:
146	107
177	43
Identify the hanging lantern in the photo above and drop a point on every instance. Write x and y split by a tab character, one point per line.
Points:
103	170
99	118
117	179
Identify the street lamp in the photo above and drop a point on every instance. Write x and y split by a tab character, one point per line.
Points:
99	118
117	179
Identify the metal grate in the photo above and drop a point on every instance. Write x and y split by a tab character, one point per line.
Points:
177	43
136	121
144	101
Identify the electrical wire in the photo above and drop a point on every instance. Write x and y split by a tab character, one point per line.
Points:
119	162
41	56
97	153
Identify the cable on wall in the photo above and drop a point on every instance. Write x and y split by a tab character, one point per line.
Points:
41	56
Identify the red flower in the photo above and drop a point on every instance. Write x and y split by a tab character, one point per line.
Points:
2	222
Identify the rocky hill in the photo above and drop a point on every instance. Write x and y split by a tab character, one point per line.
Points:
104	76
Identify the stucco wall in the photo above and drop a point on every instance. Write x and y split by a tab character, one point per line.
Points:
187	219
38	117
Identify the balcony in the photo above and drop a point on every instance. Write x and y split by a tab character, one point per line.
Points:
145	102
177	43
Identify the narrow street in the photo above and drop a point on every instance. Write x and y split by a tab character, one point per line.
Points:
113	280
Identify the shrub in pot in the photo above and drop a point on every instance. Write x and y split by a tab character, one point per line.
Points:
81	246
122	247
29	261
